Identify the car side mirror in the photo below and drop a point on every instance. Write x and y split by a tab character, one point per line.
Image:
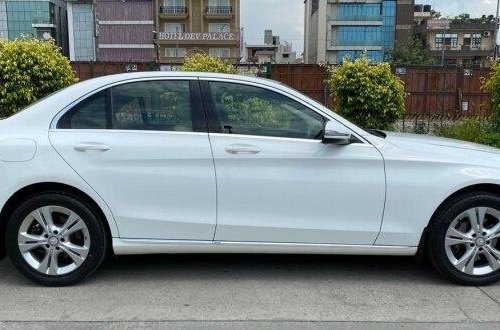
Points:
333	135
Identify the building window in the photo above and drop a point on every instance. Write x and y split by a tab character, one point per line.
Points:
467	41
21	14
175	52
449	40
358	36
173	7
477	39
175	27
220	52
218	7
219	27
175	3
361	11
219	3
83	32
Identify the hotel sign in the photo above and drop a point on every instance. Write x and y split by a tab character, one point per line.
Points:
198	36
438	24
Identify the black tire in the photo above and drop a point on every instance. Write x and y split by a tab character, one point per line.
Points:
436	250
98	242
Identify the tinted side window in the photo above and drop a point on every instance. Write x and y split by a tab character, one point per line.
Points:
249	110
152	105
88	114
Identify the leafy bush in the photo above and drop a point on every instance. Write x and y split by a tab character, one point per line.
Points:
478	130
206	63
368	94
492	85
30	69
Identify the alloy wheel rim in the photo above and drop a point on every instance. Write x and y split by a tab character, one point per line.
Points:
54	240
472	241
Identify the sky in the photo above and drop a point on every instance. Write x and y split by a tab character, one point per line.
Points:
286	17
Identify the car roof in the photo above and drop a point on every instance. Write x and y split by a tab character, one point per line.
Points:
177	74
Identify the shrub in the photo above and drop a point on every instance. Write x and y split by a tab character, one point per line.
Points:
368	94
206	63
478	130
492	85
30	69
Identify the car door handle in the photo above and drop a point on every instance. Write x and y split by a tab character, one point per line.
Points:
83	147
242	149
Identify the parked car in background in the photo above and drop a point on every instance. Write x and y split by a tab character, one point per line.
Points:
151	163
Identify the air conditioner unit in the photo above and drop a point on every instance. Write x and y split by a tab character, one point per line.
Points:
487	34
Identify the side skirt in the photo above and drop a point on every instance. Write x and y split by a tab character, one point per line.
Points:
136	246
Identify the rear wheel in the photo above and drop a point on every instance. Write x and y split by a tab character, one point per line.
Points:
55	239
464	239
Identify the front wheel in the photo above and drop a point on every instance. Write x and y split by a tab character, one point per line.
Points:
55	239
464	239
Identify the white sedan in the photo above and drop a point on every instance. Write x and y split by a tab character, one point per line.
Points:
203	163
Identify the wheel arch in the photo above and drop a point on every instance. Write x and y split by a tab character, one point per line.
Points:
482	187
33	189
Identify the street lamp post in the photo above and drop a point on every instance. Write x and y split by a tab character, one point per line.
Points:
495	56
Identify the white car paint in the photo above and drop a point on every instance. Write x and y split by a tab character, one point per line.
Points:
371	198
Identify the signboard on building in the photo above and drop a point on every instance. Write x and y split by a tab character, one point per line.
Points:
438	24
198	36
131	67
401	71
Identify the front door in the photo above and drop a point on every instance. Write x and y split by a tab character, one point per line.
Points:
277	181
143	147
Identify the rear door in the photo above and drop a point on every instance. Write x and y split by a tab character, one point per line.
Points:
144	148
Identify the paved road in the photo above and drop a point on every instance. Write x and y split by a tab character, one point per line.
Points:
238	291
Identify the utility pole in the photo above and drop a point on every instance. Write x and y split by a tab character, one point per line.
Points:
443	46
496	30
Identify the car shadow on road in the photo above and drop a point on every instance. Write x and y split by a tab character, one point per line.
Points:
267	267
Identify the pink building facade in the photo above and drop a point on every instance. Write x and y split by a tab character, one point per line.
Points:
125	30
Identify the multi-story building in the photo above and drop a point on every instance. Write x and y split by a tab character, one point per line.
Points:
208	26
111	30
469	43
272	51
335	29
44	19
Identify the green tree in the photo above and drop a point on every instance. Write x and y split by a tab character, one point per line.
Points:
410	52
30	69
492	85
367	93
465	18
206	63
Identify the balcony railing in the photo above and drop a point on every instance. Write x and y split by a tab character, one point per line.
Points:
462	48
173	10
219	10
42	20
355	18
